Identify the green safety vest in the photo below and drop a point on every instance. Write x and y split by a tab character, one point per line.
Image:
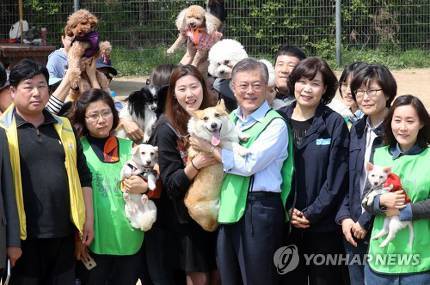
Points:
396	257
113	233
235	188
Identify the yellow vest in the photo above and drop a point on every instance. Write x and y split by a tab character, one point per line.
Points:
67	137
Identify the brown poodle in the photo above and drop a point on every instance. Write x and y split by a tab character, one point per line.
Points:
199	29
85	49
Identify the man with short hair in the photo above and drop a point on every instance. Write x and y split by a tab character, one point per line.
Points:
51	179
255	187
286	59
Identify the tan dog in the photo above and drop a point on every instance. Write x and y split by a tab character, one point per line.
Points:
202	199
81	26
198	28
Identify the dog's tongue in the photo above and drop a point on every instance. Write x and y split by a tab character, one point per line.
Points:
215	138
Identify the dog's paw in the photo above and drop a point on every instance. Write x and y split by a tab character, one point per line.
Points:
384	243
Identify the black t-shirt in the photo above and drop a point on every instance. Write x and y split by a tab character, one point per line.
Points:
45	184
299	129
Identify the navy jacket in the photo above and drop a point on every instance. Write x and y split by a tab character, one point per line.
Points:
323	159
351	205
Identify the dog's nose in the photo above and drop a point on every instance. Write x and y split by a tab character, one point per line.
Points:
222	72
148	162
214	125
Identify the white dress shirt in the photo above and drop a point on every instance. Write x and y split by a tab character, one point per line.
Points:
267	153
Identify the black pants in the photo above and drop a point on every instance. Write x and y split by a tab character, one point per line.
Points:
321	244
245	249
114	269
45	262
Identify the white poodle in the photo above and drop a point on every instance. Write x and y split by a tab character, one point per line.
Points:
223	56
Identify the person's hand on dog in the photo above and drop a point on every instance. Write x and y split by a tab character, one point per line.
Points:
298	220
347	225
135	185
203	160
90	69
132	130
359	231
392	200
392	212
200	144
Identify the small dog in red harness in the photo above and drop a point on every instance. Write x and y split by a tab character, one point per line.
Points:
199	29
390	182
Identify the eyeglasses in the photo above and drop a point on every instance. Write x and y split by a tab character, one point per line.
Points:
256	86
371	93
95	116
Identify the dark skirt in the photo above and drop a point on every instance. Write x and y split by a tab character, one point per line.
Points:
196	248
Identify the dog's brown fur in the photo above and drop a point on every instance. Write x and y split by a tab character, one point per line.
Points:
195	17
80	23
203	194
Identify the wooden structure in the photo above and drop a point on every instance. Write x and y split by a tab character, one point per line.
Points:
10	54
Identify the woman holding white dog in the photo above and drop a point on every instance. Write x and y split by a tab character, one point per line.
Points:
407	137
373	87
194	247
116	244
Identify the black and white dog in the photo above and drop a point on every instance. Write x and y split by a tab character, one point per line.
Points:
141	107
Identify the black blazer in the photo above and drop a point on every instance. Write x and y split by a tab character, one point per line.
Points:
322	159
351	205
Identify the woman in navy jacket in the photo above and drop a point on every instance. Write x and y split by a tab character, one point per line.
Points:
321	140
374	88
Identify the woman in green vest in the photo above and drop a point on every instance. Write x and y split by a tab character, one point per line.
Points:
407	136
116	244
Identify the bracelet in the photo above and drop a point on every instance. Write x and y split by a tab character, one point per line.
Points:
194	166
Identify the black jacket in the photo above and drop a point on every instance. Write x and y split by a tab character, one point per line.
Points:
351	205
322	162
175	182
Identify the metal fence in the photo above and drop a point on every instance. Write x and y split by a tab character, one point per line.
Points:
260	25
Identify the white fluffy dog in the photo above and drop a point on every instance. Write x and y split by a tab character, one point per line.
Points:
139	210
223	56
378	177
202	199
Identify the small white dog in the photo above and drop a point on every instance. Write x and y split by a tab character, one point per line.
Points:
202	199
139	210
223	56
382	181
376	176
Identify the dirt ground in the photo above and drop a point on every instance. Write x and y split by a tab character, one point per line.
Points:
409	81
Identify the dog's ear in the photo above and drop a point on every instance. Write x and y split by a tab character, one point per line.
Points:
197	114
212	23
220	106
180	20
135	150
387	169
369	166
156	149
